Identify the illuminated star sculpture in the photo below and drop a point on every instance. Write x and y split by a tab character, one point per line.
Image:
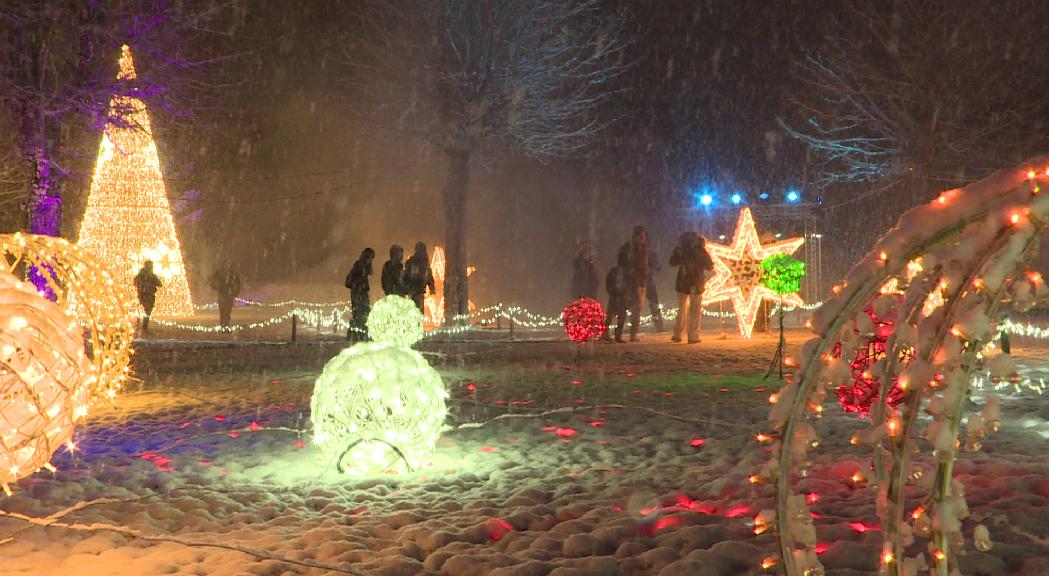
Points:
433	304
128	218
737	272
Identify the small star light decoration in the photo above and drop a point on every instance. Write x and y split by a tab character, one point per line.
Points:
396	320
738	272
43	373
377	407
584	320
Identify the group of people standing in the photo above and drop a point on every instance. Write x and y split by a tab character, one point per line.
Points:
410	279
631	282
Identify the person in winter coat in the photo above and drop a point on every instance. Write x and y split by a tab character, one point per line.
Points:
692	261
584	273
639	272
360	303
617	283
146	284
226	282
653	294
393	272
418	276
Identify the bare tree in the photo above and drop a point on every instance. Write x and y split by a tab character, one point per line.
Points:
913	94
465	77
58	74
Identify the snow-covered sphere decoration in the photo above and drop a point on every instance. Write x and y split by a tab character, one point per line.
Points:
43	373
396	320
377	407
584	320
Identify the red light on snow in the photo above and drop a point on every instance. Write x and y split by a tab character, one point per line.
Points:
577	382
254	426
861	527
597	423
631	374
565	432
471	387
220	418
811	498
487	449
697	442
497	528
820	547
737	511
300	444
233	435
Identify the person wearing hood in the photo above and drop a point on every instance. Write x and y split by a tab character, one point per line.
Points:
146	285
617	283
418	277
584	273
692	261
393	272
226	283
360	303
640	270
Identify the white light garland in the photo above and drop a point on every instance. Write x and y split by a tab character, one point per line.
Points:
377	407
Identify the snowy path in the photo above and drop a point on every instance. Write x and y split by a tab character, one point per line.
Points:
591	492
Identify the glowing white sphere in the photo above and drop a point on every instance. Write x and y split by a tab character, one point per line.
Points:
42	379
396	320
377	407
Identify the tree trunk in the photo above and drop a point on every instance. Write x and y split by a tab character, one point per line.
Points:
456	191
45	201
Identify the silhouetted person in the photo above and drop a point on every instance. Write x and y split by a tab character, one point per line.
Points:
584	273
693	262
226	283
639	271
653	294
146	284
418	276
393	272
360	303
618	285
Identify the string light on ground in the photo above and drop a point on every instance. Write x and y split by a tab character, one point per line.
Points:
128	218
377	407
396	320
43	379
85	289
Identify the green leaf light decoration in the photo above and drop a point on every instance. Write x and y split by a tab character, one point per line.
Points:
782	274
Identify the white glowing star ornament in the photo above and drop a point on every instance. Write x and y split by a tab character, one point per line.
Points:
395	320
377	407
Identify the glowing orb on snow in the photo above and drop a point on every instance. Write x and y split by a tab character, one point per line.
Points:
395	320
584	320
42	379
377	407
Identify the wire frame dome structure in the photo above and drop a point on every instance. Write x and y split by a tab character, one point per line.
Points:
968	246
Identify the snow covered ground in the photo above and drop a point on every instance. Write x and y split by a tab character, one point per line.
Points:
192	454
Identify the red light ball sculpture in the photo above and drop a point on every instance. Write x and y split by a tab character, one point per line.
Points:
584	320
859	395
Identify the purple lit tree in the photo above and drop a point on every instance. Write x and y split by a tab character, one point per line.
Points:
58	73
465	77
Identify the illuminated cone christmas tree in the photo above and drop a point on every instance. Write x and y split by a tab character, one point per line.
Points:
128	218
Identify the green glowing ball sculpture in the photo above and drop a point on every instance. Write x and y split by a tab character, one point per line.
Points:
782	274
396	320
377	407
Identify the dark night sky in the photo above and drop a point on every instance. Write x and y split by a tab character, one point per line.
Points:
295	176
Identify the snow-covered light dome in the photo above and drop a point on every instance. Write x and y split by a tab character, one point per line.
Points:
377	407
396	320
